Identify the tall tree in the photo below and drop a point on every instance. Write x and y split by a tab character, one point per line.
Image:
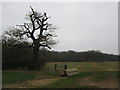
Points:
37	29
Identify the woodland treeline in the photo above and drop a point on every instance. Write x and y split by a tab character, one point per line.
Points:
16	57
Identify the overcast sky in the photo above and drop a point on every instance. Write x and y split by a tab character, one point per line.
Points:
81	25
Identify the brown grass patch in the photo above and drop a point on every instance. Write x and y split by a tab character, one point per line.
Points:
106	83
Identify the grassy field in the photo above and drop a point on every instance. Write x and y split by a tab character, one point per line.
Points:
89	66
91	75
86	80
9	77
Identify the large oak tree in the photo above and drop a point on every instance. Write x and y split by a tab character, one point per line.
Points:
35	33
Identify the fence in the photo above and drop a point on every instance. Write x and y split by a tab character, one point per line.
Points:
54	68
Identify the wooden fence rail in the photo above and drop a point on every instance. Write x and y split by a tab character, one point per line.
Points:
55	67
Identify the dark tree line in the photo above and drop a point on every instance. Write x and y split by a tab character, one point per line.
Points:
16	58
87	56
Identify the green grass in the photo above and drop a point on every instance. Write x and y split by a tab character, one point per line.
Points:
105	75
13	77
66	81
72	82
89	66
87	87
99	71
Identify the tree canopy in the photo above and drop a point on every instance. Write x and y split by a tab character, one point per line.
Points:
36	31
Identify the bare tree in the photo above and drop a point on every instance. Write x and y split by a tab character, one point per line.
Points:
37	29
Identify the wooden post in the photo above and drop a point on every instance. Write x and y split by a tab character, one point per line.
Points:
55	67
65	67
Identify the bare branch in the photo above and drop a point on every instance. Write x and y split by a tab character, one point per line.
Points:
46	17
37	22
39	25
26	26
45	46
32	9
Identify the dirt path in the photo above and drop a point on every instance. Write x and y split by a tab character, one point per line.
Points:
90	82
31	83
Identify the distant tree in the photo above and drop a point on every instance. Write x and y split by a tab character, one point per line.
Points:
36	33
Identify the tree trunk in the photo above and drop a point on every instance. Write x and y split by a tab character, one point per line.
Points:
35	61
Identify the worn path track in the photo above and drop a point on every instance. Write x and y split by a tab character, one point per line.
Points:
31	83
